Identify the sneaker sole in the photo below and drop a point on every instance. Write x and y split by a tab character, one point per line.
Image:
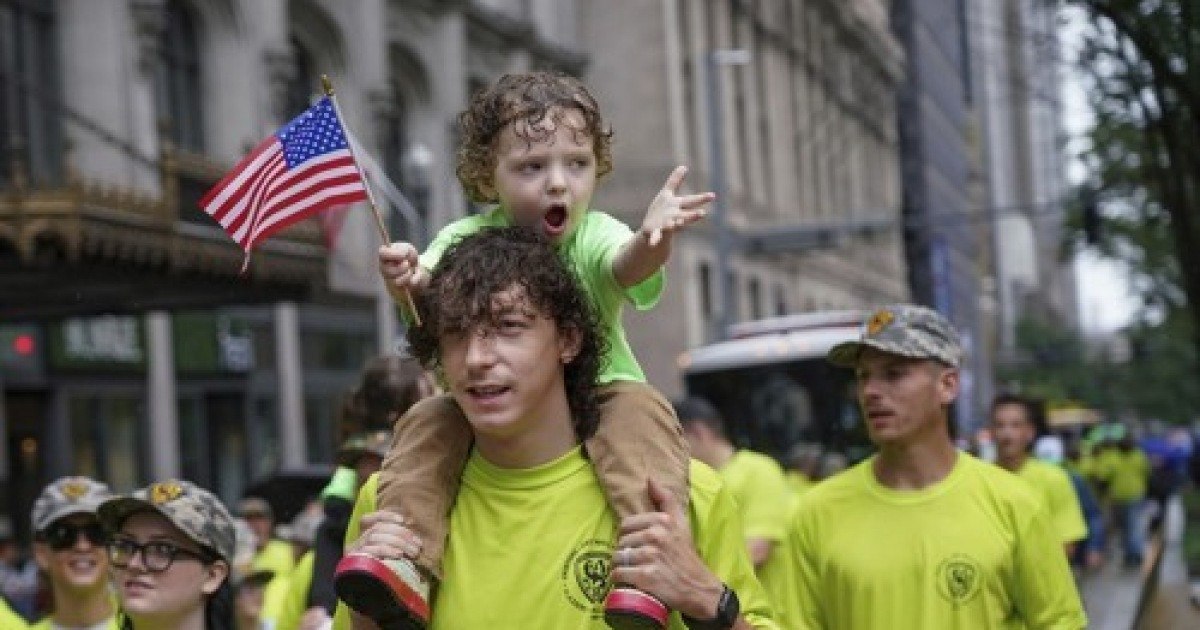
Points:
372	589
631	609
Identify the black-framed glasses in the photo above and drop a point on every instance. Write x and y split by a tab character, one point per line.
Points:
62	536
157	555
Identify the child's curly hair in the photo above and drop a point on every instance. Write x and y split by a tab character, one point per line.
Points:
529	96
460	299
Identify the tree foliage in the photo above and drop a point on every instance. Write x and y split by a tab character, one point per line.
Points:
1141	60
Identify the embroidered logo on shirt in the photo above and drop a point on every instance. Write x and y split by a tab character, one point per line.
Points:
958	579
585	575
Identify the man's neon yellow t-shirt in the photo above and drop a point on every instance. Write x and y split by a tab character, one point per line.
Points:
590	253
758	485
532	548
974	551
1054	486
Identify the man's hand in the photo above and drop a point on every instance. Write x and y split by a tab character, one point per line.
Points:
386	534
670	211
655	553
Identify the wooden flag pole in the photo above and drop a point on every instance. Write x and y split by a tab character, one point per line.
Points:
327	85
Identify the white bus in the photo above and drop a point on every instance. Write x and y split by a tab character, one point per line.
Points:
775	388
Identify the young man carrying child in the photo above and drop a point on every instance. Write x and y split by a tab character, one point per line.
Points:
535	144
532	536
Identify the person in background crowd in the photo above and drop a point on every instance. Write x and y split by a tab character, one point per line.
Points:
69	545
1012	424
388	387
18	574
804	461
755	480
921	535
172	546
10	620
271	554
249	595
1126	470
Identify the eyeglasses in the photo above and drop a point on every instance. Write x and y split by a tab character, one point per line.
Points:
62	536
157	555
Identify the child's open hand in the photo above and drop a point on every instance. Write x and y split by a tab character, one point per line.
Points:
671	211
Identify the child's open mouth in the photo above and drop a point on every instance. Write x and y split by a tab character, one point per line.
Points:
555	219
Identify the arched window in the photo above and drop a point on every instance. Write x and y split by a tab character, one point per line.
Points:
304	80
180	78
30	124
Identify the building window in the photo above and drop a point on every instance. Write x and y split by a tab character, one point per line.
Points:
180	79
706	301
304	80
106	430
754	291
30	125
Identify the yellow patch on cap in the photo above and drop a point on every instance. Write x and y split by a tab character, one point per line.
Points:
163	492
73	489
879	321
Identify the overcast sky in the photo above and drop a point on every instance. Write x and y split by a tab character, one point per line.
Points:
1105	301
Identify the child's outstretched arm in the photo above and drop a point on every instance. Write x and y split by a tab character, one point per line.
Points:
401	270
650	247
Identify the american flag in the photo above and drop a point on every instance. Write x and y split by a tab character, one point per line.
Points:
303	168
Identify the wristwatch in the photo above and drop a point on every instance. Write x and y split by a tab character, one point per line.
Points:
728	609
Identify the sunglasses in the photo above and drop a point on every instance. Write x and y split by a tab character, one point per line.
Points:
157	555
62	536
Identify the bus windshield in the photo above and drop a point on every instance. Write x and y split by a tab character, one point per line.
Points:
772	407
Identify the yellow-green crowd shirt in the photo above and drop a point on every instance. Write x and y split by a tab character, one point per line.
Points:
1127	473
10	619
758	485
1054	486
295	600
590	253
532	548
975	551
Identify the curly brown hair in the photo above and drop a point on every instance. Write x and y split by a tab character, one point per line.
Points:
532	97
477	268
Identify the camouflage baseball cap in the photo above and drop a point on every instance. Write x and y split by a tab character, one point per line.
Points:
194	510
907	330
67	496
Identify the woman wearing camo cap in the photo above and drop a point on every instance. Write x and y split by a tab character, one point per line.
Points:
171	547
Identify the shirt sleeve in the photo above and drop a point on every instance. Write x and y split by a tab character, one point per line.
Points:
1068	515
766	503
718	539
798	600
1044	592
605	241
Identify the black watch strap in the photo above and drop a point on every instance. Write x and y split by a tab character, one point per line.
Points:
728	609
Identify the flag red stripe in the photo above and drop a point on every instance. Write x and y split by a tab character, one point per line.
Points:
294	184
233	183
243	213
312	203
297	192
298	216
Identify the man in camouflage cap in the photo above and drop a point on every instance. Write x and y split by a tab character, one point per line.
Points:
69	549
195	511
978	548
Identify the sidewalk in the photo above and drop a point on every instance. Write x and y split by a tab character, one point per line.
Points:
1170	608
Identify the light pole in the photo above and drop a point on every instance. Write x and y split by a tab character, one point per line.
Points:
713	60
417	166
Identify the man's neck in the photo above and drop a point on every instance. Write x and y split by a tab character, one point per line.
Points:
82	609
530	448
914	466
1014	463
